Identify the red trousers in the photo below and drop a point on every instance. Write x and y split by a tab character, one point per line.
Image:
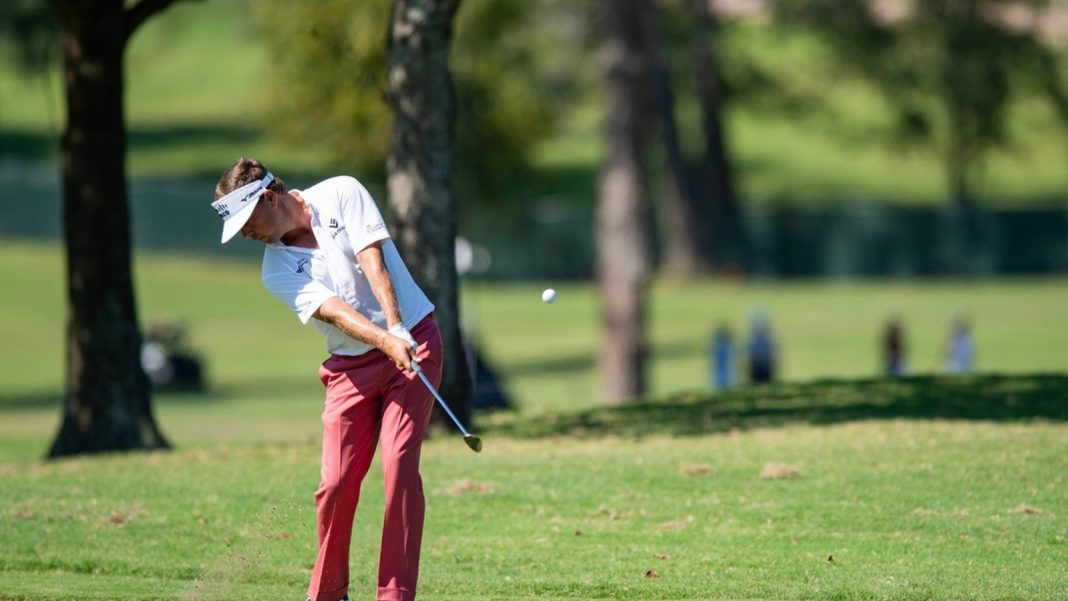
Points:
368	401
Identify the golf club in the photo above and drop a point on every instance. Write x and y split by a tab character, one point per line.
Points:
472	441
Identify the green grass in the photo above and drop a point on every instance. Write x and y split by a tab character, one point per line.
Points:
923	488
881	508
545	353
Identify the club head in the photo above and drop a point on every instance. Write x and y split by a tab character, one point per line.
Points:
474	442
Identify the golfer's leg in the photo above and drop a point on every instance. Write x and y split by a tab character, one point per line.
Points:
405	414
350	423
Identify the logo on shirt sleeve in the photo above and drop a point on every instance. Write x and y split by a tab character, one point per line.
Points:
335	228
376	227
301	264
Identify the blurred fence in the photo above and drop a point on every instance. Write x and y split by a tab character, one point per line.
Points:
552	237
873	240
553	240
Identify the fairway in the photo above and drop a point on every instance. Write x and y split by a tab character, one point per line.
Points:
926	488
896	509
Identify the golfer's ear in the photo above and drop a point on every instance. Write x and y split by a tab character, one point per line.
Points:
269	196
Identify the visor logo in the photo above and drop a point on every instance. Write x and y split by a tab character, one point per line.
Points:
251	195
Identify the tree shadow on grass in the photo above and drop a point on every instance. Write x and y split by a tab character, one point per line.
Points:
586	360
986	397
168	136
31	145
230	390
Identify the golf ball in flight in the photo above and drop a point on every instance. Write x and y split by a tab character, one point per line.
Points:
548	295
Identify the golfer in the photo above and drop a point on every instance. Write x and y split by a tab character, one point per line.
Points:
330	259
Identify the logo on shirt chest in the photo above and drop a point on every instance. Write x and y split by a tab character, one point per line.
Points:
302	264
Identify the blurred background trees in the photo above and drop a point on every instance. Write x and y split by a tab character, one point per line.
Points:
31	27
624	246
107	406
887	138
422	203
949	69
328	83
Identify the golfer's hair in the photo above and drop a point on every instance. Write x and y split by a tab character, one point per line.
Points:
243	172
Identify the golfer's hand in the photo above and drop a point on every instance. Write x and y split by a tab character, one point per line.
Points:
402	332
399	351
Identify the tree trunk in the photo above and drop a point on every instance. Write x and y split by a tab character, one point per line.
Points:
717	178
420	166
107	406
681	218
623	241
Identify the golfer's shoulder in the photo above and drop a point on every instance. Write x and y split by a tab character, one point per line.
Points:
277	260
340	186
341	192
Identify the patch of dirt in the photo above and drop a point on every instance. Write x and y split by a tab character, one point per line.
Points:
121	517
779	471
468	485
678	524
698	469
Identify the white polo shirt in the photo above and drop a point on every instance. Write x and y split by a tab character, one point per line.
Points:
345	221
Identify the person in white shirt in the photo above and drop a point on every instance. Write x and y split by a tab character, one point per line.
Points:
330	259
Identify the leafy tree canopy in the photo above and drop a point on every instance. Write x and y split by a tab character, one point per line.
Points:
328	80
30	29
949	69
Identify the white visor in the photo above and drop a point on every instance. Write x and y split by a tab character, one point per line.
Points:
236	207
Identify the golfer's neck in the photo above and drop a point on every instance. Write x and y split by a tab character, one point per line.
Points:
301	234
302	237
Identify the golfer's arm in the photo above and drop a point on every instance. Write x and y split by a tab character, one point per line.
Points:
339	314
373	264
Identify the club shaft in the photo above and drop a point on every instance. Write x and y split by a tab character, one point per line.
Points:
442	402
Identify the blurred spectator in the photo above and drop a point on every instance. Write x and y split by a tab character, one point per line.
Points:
167	362
721	358
761	350
894	349
960	350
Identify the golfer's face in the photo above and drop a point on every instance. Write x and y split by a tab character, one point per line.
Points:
265	223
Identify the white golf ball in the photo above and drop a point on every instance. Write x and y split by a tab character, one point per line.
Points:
548	295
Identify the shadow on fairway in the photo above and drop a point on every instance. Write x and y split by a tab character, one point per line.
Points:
35	145
266	388
585	360
986	397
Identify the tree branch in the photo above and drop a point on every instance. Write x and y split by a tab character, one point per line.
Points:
140	12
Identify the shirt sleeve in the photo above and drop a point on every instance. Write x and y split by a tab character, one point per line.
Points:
302	294
363	220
